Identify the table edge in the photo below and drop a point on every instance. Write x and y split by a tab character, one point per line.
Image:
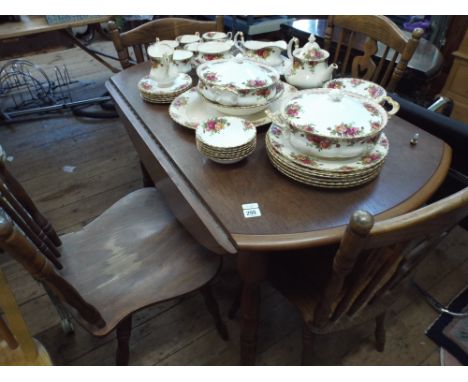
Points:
317	238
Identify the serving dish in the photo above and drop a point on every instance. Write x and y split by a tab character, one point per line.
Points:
237	82
190	108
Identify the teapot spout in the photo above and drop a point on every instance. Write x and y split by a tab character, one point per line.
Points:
330	70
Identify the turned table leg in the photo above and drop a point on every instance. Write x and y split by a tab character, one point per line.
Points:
252	268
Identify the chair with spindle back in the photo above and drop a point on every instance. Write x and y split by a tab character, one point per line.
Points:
376	29
364	275
132	256
165	29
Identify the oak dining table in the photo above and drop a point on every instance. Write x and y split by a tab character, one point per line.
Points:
207	198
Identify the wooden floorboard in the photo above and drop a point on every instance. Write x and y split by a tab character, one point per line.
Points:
178	332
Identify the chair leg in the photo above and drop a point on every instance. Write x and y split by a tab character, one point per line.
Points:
236	303
308	339
213	308
124	329
65	316
380	332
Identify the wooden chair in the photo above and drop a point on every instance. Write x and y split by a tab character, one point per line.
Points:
376	29
371	262
132	256
165	29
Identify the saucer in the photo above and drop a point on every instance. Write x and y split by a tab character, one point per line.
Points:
150	87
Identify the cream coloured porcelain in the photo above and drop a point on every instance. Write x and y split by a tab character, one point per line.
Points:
163	69
241	111
265	52
356	85
328	123
190	108
217	36
213	50
182	59
309	67
237	82
172	43
188	38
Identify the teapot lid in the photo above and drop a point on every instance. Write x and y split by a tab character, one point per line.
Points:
311	51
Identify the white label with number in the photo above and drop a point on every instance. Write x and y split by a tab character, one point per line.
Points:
252	213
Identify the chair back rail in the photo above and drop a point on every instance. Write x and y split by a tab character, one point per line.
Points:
165	29
374	258
378	29
17	245
21	195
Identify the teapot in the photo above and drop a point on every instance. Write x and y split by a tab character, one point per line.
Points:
266	52
309	67
163	69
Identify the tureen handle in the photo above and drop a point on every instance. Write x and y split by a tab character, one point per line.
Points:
229	35
277	119
237	42
395	106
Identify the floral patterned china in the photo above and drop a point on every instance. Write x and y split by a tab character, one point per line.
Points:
150	90
244	110
226	139
329	123
172	43
190	109
182	59
188	38
356	85
217	36
213	50
238	82
309	67
320	172
266	52
278	138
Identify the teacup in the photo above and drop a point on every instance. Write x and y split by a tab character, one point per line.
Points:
182	59
172	43
217	36
214	50
188	38
163	69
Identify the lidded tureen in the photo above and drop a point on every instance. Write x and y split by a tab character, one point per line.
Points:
237	82
309	68
332	124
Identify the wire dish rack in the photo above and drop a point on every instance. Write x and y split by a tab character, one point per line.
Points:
26	89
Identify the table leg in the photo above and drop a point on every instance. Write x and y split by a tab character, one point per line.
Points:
253	270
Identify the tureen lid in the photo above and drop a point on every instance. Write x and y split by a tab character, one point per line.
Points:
224	132
213	47
335	113
356	85
311	51
238	73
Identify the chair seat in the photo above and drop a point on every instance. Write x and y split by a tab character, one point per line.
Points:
134	255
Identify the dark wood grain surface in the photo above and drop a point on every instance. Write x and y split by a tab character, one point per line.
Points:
293	215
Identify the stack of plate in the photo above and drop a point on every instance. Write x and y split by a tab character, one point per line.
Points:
319	172
151	92
226	139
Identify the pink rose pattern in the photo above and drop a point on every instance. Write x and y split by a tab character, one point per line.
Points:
335	85
210	76
375	91
215	125
293	110
255	83
346	130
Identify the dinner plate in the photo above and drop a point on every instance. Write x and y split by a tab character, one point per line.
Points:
190	109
